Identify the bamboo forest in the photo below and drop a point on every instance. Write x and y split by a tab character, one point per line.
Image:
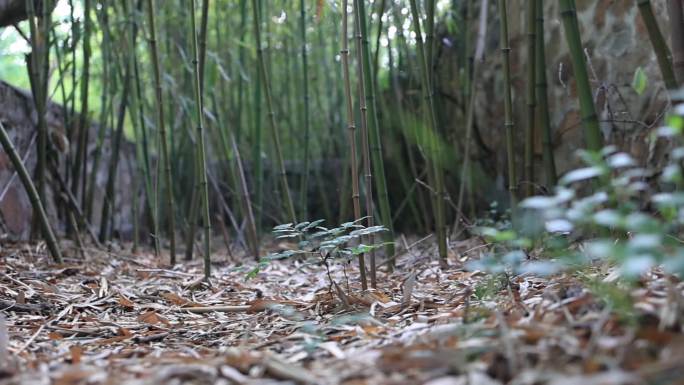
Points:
342	192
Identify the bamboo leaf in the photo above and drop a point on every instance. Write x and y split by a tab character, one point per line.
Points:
640	81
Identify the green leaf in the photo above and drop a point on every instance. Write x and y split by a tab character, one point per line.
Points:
640	81
581	174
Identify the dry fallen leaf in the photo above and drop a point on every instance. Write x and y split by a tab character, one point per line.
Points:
76	352
151	317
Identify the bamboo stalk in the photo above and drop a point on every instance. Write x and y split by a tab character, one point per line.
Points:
142	152
592	130
466	171
351	129
531	97
108	204
195	195
676	13
201	156
287	198
430	39
241	78
81	160
365	145
204	24
115	142
375	143
38	67
257	140
247	205
508	108
32	193
544	119
376	56
659	45
151	11
108	75
305	113
438	201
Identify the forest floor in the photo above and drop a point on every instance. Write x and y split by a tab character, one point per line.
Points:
124	318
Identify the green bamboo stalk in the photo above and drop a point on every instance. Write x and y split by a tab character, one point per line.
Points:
374	139
32	193
376	56
257	151
142	152
659	44
365	145
244	198
351	129
438	201
108	86
151	11
675	9
544	119
241	78
414	196
257	140
70	103
407	136
201	156
305	116
135	205
508	109
108	204
531	97
430	38
466	168
204	24
592	130
38	66
192	213
195	195
287	198
81	160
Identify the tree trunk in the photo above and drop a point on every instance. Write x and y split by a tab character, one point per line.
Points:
14	11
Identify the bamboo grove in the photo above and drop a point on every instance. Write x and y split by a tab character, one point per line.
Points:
244	114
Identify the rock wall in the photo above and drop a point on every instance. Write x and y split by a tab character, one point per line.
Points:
616	44
18	116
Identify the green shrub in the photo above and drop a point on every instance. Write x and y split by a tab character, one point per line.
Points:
341	243
603	212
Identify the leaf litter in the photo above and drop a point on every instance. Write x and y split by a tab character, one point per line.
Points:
124	318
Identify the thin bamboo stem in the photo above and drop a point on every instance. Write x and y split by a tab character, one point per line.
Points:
80	162
108	204
508	106
544	119
531	96
32	193
592	130
151	11
436	159
305	112
287	198
351	129
201	156
659	44
375	142
365	146
466	171
676	13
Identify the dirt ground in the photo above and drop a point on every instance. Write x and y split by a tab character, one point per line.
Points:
123	318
